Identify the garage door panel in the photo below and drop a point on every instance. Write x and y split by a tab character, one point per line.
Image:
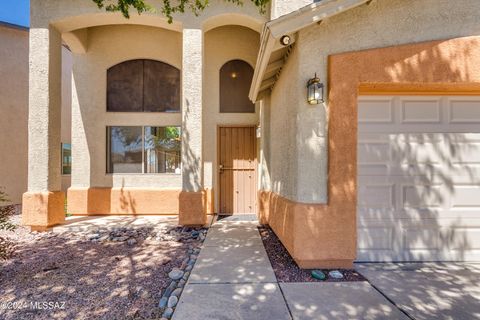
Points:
376	111
423	196
465	196
421	111
377	196
418	178
464	110
462	238
424	239
375	238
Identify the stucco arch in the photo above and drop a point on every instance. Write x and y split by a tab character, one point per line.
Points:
71	23
225	19
74	29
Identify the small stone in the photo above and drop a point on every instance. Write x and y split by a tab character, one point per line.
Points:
186	275
103	238
318	274
195	234
172	301
120	239
189	267
93	236
176	293
175	274
163	302
201	237
181	283
184	263
131	241
335	274
168	313
170	289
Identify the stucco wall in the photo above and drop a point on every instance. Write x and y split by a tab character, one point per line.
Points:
297	164
222	45
13	111
380	24
108	46
283	7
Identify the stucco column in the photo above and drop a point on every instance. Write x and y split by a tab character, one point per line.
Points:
192	204
43	202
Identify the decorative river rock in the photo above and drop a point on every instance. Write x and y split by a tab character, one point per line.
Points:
318	274
335	274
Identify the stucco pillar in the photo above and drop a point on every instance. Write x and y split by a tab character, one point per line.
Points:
43	203
192	198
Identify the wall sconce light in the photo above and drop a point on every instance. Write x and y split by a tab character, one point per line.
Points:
314	91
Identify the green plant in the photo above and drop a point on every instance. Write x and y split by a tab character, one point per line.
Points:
6	246
168	8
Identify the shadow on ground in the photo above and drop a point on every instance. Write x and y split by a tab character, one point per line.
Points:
95	280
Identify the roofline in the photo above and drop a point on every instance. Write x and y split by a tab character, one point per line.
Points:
289	24
13	26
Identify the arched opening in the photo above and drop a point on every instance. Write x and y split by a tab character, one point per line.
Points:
143	86
235	79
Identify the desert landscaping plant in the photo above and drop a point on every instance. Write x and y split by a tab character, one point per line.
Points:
168	7
6	246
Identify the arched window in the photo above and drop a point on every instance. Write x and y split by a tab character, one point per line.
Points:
235	79
143	86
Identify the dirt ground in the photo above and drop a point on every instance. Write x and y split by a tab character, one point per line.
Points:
285	268
68	276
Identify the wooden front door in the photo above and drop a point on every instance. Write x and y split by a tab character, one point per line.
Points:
237	170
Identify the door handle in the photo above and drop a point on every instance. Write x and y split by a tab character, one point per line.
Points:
220	167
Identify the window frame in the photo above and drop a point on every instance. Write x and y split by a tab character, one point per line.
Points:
143	173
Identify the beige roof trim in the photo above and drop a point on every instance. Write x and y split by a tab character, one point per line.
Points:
288	25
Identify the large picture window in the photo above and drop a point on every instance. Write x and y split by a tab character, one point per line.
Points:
143	150
143	86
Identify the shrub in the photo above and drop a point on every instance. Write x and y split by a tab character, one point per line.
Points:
6	246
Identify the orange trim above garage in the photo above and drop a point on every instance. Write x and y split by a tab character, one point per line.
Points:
421	89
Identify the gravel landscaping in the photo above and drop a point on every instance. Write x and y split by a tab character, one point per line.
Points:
117	273
285	268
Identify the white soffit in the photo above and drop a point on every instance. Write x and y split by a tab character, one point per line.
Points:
271	56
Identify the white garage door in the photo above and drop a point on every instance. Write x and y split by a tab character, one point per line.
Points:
418	178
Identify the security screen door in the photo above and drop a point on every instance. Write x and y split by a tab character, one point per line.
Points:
237	170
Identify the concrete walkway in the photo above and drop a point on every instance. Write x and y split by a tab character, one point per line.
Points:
233	279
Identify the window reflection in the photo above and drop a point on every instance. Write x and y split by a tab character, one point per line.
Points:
144	150
162	150
125	149
66	158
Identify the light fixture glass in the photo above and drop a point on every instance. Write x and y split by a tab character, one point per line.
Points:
314	91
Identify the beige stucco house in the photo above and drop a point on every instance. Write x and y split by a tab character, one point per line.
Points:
210	114
14	111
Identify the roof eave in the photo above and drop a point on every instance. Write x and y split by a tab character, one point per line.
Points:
290	24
